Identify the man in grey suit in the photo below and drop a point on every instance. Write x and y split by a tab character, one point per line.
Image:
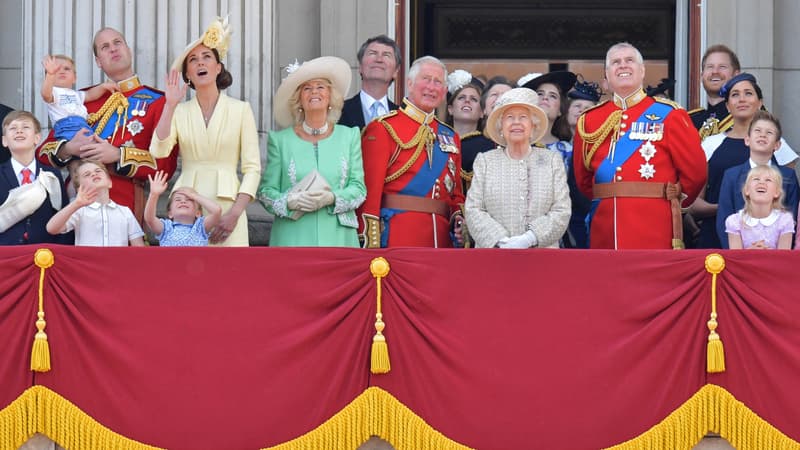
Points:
378	62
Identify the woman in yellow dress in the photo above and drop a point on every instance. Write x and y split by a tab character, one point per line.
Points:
216	134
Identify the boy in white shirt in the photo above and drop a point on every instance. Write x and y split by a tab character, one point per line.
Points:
96	219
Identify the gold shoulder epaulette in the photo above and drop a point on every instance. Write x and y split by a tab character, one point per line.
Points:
726	123
669	102
441	123
595	106
423	134
695	111
50	148
391	113
471	134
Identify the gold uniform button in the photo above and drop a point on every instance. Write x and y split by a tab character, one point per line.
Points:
619	178
625	117
622	125
619	169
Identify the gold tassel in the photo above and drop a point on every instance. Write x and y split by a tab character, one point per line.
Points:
715	352
379	358
40	354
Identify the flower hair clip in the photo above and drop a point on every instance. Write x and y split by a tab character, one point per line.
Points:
292	67
457	80
218	36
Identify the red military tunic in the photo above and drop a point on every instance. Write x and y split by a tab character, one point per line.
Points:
412	165
664	149
131	132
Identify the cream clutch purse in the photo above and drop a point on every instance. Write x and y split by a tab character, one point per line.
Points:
314	181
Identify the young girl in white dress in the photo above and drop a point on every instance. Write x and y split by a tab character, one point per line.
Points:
762	223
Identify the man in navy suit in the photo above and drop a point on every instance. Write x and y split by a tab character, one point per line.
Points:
763	138
30	193
378	62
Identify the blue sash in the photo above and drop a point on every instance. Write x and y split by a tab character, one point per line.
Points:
420	185
142	98
624	149
625	146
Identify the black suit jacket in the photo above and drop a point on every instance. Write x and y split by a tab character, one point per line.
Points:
352	115
5	155
32	229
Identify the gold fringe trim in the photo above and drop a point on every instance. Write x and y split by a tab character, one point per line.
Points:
711	409
373	413
379	356
40	410
715	352
40	353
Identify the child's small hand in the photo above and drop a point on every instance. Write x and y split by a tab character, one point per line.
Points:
51	64
158	183
189	192
86	195
110	86
759	245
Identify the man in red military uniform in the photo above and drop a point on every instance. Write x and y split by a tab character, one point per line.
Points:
123	125
412	169
633	156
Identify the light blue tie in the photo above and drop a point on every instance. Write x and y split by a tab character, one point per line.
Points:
374	110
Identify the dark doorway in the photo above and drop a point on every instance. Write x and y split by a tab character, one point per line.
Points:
514	37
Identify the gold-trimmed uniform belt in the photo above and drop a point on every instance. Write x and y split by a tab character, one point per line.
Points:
417	204
645	189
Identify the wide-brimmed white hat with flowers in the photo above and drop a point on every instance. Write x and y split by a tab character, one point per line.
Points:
517	97
336	70
217	36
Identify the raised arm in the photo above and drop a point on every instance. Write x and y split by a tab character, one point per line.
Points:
175	91
158	184
58	223
212	208
95	92
51	67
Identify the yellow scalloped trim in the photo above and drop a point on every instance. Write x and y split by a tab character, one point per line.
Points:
373	413
40	410
711	409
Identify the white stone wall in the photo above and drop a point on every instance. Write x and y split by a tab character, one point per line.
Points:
68	27
763	34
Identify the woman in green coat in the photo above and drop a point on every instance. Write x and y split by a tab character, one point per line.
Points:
314	179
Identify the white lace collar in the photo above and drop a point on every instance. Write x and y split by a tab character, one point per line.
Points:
766	221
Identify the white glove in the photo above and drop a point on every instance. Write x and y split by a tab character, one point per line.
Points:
524	240
321	198
300	201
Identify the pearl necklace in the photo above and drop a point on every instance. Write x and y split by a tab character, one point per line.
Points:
315	131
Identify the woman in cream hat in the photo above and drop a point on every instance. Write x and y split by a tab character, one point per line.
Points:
314	179
216	134
519	196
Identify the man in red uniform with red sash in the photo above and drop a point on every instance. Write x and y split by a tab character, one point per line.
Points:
637	158
412	169
123	125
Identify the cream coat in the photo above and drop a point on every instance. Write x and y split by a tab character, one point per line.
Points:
211	156
508	197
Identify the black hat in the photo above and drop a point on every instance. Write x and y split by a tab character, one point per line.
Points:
666	85
725	90
564	79
585	90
